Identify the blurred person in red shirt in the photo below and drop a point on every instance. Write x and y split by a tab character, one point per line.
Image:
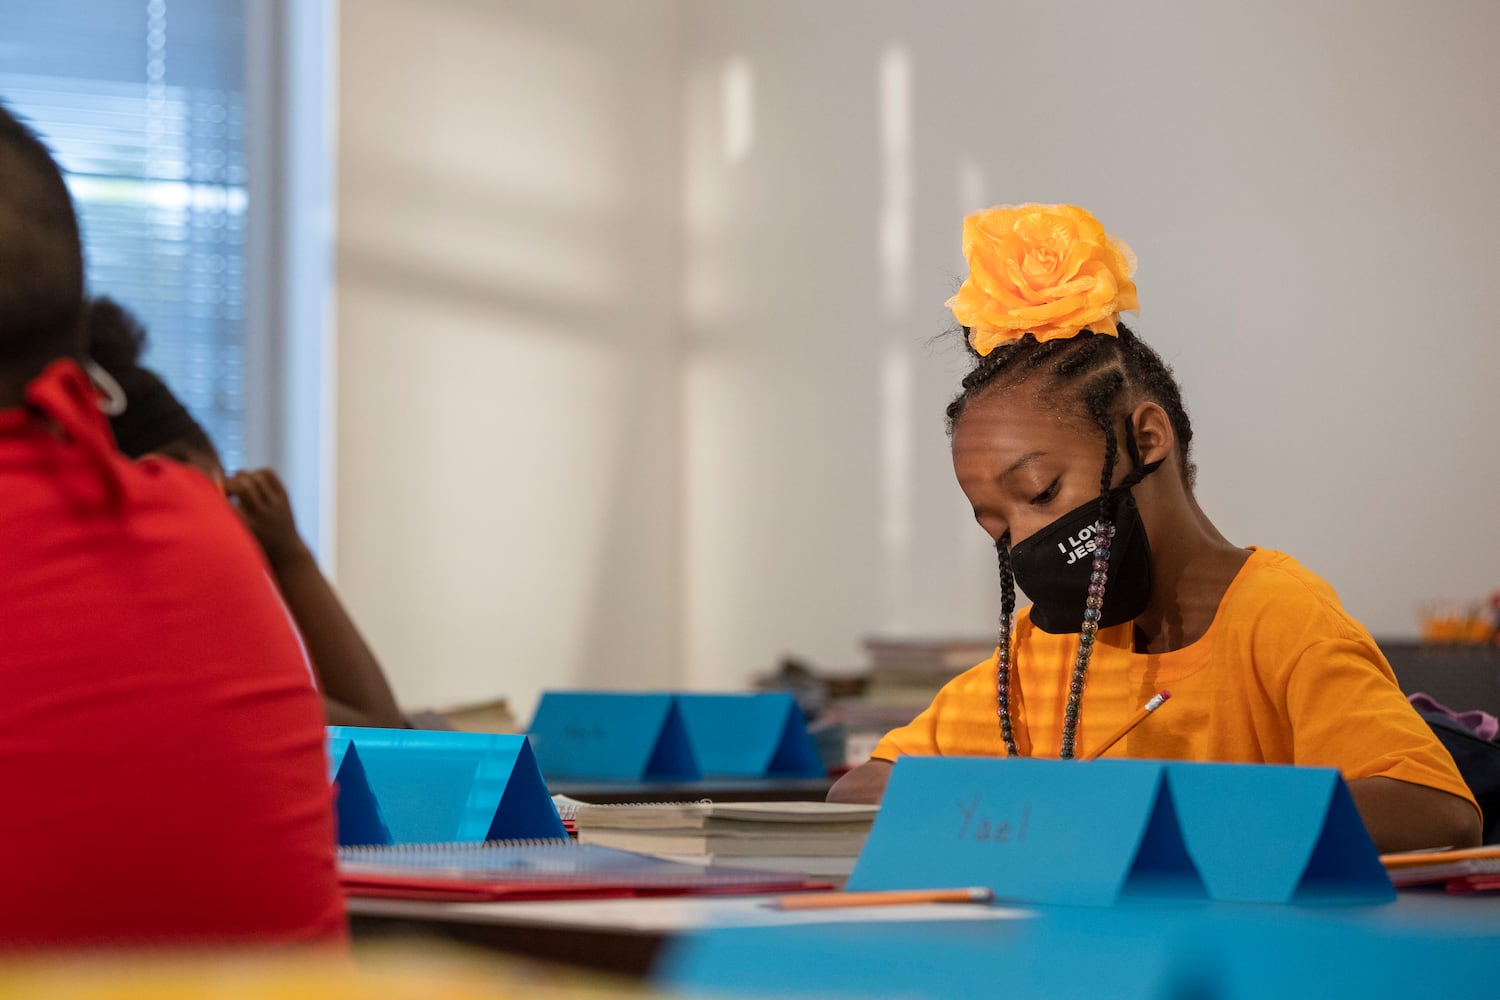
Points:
161	741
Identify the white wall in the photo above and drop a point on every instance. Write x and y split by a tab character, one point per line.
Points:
1309	186
637	378
507	337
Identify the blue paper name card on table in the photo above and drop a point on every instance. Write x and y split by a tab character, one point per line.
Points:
445	786
750	736
612	736
1040	831
1098	832
1266	834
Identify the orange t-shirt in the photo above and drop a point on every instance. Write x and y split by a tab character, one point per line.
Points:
1282	676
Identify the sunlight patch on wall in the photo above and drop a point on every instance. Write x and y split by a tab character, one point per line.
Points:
737	92
896	476
895	94
971	186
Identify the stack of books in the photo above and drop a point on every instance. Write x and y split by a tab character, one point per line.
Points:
909	672
818	839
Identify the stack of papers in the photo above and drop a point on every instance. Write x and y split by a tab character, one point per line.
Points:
1471	870
820	839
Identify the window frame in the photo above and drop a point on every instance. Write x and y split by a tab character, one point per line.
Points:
289	360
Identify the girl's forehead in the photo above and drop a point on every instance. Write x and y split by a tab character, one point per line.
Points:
1018	420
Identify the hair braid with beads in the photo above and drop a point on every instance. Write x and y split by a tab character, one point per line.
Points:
1111	370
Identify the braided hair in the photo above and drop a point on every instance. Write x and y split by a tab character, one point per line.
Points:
1105	375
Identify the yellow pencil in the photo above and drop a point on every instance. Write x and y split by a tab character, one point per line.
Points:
1135	720
895	897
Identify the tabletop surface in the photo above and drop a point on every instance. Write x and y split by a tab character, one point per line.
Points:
676	914
631	936
666	915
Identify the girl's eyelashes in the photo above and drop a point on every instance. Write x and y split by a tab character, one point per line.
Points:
1047	495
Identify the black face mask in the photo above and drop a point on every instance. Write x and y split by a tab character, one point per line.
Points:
1053	566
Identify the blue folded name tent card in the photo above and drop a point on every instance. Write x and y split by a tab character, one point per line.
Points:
1041	831
429	787
625	736
750	735
614	736
1100	832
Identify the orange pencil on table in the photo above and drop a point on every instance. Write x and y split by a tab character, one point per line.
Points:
1135	720
893	897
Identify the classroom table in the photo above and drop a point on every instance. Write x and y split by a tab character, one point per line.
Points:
714	789
619	951
628	935
614	935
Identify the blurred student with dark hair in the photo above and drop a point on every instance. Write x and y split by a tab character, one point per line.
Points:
161	744
154	422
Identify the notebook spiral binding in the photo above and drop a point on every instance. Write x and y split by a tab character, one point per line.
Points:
359	851
537	863
569	810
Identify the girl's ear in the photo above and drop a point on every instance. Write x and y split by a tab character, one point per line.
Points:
1153	432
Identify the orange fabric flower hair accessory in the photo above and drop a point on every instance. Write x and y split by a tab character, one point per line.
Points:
1047	270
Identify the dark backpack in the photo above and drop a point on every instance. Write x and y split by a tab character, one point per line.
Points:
1479	762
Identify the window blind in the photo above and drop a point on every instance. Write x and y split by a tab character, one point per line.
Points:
142	102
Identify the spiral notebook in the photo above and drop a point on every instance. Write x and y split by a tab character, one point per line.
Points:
540	869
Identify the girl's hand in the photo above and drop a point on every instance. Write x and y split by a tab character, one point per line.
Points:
266	510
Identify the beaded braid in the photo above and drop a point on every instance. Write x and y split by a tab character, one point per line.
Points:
1007	619
1104	532
1101	394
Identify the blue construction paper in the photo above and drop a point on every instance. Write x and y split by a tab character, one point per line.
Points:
1420	947
672	759
1332	951
1273	834
338	744
750	735
1022	958
619	736
449	786
356	812
1042	831
525	811
1162	867
1345	864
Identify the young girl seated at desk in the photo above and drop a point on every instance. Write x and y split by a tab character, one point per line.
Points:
1072	444
354	688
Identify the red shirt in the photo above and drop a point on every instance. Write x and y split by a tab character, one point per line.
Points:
162	752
